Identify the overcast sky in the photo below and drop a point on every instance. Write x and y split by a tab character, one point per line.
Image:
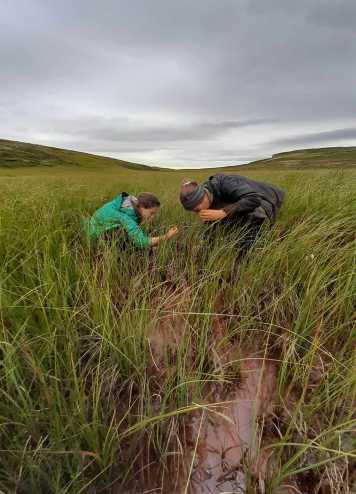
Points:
179	82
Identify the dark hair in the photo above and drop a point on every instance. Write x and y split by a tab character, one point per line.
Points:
147	201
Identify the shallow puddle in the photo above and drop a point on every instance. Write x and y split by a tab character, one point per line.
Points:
221	441
225	436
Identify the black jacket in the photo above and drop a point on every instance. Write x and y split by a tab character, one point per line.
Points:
239	196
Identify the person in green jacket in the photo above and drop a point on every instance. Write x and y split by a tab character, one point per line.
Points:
121	218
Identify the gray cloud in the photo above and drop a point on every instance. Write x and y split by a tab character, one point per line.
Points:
316	138
159	80
130	131
336	15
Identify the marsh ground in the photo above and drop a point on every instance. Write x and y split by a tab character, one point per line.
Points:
117	370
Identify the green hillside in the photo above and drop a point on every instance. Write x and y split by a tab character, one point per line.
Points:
14	154
333	157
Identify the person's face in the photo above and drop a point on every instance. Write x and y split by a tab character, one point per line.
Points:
147	214
204	204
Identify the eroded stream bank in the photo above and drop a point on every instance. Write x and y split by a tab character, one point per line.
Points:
226	444
222	441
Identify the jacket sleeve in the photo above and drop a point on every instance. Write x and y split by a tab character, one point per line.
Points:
243	199
136	234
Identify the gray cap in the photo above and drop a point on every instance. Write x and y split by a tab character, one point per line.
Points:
191	200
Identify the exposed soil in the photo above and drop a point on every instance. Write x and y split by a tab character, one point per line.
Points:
221	441
225	446
224	438
169	329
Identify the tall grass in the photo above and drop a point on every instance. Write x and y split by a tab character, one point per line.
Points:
85	404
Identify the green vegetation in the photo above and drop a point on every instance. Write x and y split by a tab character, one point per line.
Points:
338	157
14	154
93	402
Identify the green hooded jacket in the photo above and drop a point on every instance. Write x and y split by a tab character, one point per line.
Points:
113	215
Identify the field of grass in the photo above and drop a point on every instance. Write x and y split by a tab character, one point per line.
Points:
106	358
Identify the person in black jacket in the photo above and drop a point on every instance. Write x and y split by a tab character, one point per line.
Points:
234	201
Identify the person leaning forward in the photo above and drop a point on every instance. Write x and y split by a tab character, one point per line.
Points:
121	219
234	201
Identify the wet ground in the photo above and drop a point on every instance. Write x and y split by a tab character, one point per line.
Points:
224	446
227	436
222	439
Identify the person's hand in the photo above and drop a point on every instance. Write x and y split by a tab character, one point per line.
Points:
212	214
171	232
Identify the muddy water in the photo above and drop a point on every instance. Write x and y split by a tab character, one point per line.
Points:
222	440
225	436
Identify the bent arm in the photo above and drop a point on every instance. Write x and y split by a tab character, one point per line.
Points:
243	206
241	195
140	239
153	241
136	235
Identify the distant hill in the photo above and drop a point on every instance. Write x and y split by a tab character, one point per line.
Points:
14	154
333	157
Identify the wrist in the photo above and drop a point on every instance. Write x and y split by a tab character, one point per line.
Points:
230	209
